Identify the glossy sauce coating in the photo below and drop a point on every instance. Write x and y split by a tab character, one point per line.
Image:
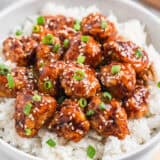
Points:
110	120
70	122
28	123
120	84
90	50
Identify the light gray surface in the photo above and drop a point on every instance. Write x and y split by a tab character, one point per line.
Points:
5	3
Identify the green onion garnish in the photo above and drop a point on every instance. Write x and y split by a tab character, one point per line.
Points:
51	142
138	53
81	59
85	39
90	112
36	29
79	75
36	97
91	151
107	95
61	99
115	69
48	84
66	43
40	20
56	48
10	79
48	39
104	24
4	70
158	84
18	32
28	131
82	102
102	106
27	109
77	25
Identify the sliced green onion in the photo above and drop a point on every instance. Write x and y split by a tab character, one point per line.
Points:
90	112
48	85
40	20
115	69
102	106
104	24
36	29
158	84
48	39
10	79
51	142
18	32
28	131
91	151
81	59
66	43
82	102
56	48
107	95
27	109
61	99
77	25
85	39
36	97
79	75
138	53
4	70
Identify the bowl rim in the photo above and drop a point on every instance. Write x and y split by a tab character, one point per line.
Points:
151	142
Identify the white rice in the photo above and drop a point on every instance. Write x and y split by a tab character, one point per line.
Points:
141	130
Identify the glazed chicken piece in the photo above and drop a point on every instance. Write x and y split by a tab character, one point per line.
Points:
119	79
98	26
32	111
48	53
128	52
84	49
48	77
70	122
79	81
19	50
107	118
136	106
15	80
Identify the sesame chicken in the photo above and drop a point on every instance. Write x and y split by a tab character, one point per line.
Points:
107	118
32	111
98	26
70	122
136	106
79	81
19	50
119	79
16	80
127	52
86	47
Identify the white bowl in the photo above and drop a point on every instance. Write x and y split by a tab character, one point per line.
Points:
123	9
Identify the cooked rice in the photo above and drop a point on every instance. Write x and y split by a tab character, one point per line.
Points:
141	130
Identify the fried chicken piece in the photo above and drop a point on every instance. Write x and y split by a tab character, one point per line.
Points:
70	122
108	119
79	81
48	77
84	49
19	50
32	111
15	80
120	79
137	105
128	52
98	26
